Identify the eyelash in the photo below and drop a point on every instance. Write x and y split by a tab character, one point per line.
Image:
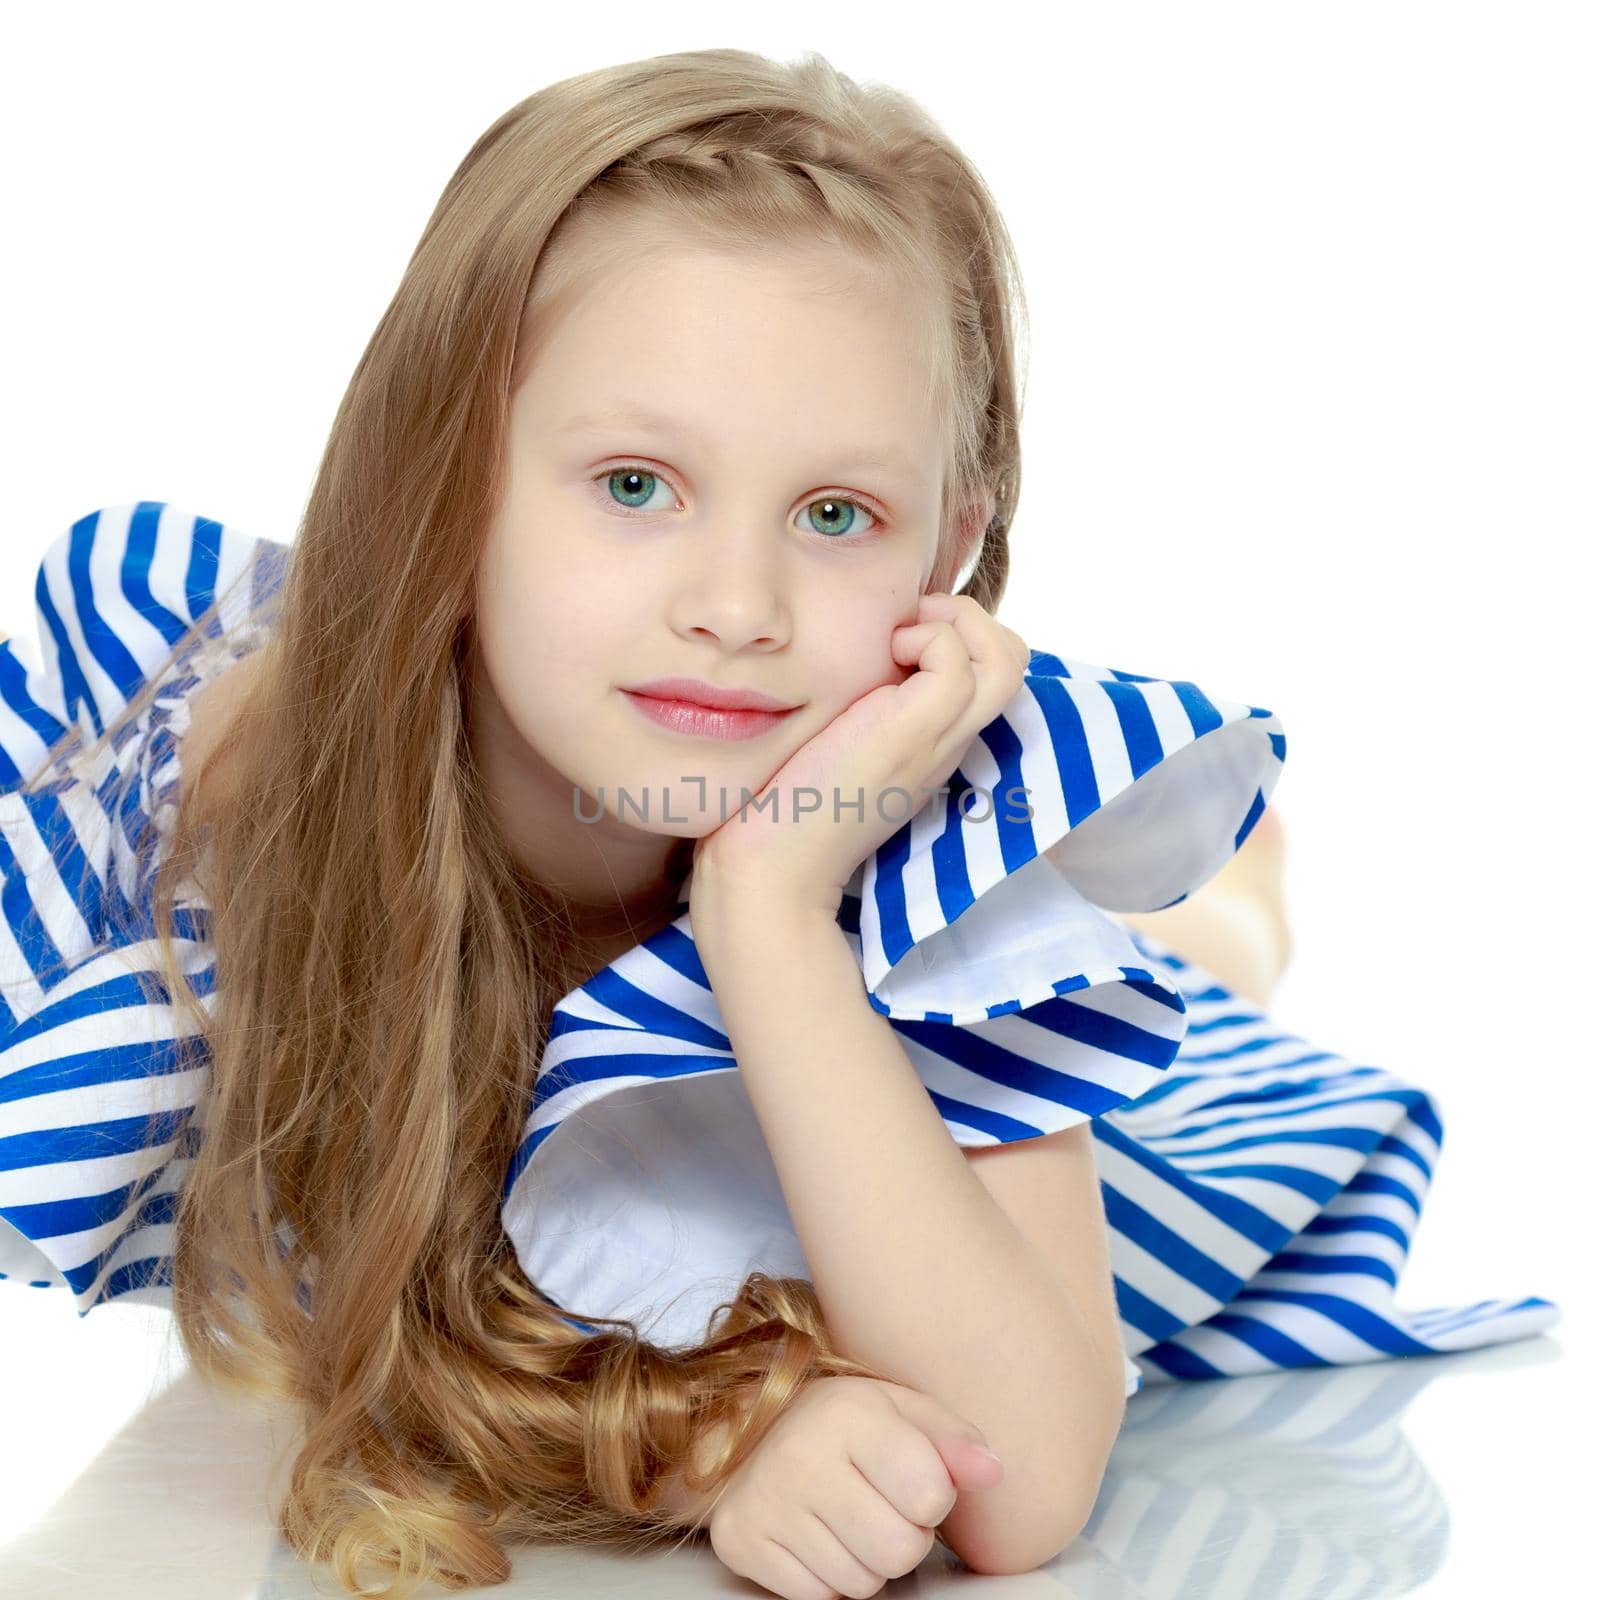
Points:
880	522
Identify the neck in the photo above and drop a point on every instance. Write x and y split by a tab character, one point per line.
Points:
648	909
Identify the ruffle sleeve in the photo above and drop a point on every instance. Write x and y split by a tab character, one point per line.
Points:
642	1187
1093	789
98	1094
97	1124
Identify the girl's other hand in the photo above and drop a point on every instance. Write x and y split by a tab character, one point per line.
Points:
964	666
847	1489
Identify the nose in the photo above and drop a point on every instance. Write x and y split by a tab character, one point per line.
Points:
734	589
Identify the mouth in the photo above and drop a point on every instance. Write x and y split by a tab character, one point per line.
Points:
698	721
697	692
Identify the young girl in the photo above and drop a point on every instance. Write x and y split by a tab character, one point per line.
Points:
608	1112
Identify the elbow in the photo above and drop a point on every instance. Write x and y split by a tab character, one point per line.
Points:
1014	1547
1019	1526
1001	1535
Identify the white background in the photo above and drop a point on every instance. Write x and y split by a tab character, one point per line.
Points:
1312	420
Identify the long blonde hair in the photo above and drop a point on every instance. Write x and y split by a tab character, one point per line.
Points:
386	970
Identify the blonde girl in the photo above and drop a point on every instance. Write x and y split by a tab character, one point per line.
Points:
702	368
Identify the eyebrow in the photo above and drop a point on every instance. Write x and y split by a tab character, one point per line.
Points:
647	418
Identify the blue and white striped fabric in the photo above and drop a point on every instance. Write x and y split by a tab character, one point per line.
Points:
1261	1195
88	1179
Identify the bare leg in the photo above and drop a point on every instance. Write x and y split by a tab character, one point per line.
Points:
1236	925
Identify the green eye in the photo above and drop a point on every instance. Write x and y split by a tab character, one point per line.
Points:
629	487
649	478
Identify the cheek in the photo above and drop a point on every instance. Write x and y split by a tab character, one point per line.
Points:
543	595
538	633
853	638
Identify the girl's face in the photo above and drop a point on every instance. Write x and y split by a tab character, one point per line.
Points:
722	468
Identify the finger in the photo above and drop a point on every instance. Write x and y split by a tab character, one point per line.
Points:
908	642
953	605
886	1543
982	634
779	1569
904	1468
817	1548
935	700
998	673
934	648
996	651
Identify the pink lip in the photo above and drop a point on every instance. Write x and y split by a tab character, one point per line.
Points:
704	722
697	692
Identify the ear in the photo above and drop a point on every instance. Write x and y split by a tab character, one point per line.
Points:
971	525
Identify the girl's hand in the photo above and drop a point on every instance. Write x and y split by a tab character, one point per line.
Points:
964	667
847	1489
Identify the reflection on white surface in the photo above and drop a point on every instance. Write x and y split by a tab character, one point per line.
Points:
1264	1488
1287	1485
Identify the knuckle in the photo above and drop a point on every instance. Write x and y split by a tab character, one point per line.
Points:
933	1506
841	1396
791	1587
907	1550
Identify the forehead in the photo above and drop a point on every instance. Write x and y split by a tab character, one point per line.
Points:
688	343
685	298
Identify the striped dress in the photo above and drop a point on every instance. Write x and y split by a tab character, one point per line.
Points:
1260	1193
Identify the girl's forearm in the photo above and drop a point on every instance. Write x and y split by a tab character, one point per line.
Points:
918	1270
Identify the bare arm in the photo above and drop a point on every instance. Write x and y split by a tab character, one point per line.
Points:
919	1271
